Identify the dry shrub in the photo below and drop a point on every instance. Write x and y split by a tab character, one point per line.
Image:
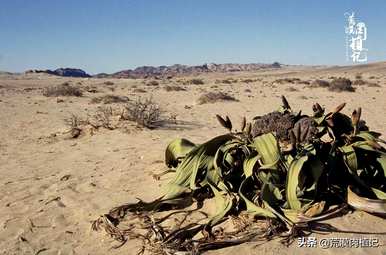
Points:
359	82
145	113
174	88
194	81
341	84
358	76
103	117
303	82
287	80
91	89
108	83
373	84
139	90
248	81
64	89
213	97
320	83
110	99
152	83
291	89
227	81
303	97
74	123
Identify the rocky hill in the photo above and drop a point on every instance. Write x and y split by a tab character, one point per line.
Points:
160	71
65	72
176	70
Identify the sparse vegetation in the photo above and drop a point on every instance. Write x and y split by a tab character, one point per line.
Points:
213	97
74	123
248	80
174	88
139	90
152	83
227	81
194	81
103	117
341	84
359	82
110	99
291	89
287	80
64	89
145	113
320	83
373	84
108	83
91	89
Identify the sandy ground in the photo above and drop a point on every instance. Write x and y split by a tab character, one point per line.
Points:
52	187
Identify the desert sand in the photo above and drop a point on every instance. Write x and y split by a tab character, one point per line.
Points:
53	186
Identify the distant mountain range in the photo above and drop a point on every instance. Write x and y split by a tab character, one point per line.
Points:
161	71
65	72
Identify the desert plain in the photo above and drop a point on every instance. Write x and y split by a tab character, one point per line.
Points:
53	185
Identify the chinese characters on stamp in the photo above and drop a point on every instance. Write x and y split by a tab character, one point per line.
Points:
334	242
356	35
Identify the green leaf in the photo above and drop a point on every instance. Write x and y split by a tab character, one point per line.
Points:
224	202
223	160
177	150
368	135
382	161
293	182
252	208
249	163
267	147
196	164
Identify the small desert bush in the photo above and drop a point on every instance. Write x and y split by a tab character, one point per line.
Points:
145	112
103	117
359	82
152	83
174	88
213	97
91	89
108	83
227	81
194	81
74	123
341	84
64	89
320	83
291	89
373	84
287	80
248	80
139	90
303	82
110	99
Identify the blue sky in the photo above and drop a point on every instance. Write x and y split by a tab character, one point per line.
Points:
111	35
